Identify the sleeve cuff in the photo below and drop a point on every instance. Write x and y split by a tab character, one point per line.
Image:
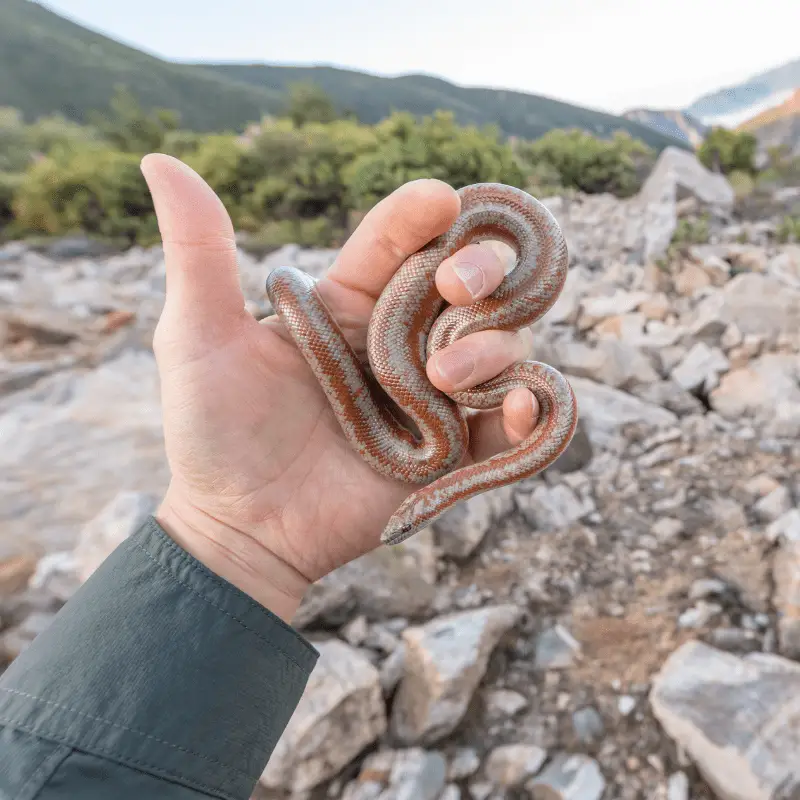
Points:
160	664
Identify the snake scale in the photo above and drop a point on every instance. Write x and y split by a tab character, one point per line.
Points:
409	323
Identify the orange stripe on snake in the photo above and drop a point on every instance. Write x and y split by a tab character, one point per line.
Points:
410	322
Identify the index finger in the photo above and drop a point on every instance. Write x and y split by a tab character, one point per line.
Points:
394	229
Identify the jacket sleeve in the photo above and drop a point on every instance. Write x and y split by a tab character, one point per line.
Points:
157	679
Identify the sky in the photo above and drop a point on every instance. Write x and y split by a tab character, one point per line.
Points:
606	54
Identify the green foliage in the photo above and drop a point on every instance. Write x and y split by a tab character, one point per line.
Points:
306	103
94	189
9	185
318	232
691	231
788	230
131	129
726	151
743	183
584	162
436	147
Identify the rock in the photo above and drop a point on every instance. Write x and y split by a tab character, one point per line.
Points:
451	792
511	765
701	368
465	763
667	529
707	587
340	713
678	786
388	582
578	454
588	725
392	669
742	563
551	508
613	363
120	518
734	717
670	396
445	661
16	639
676	170
691	279
594	309
756	304
416	775
63	443
15	572
774	505
786	528
568	777
786	575
605	410
565	309
461	529
699	616
626	704
504	703
77	246
556	648
758	389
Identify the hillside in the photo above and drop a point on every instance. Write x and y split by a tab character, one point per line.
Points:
372	98
779	125
49	64
677	124
733	105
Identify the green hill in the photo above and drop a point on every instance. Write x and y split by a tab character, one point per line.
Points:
49	64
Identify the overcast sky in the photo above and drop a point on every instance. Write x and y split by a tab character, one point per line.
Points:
609	54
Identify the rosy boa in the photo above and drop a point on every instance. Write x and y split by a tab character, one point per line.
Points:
409	324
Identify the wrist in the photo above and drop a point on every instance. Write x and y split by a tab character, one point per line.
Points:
232	554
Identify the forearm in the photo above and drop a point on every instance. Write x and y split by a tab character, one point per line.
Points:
159	665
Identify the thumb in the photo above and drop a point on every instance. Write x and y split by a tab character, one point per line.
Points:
199	245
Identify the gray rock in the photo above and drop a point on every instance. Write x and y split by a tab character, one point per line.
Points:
678	786
626	704
464	764
670	396
445	661
701	368
451	792
556	648
66	442
461	529
605	410
786	576
568	777
120	518
735	717
77	246
340	713
504	703
392	669
699	616
774	505
511	765
551	508
416	775
786	528
588	725
578	454
610	362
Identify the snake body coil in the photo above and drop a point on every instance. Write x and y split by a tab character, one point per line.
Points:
409	324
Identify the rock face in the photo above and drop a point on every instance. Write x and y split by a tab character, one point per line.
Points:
341	712
737	718
568	777
445	661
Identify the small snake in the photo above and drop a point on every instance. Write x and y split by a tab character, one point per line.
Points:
408	324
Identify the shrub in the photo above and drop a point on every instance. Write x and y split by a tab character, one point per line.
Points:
728	151
788	230
94	189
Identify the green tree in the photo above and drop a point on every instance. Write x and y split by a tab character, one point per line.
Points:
725	151
586	163
131	129
307	102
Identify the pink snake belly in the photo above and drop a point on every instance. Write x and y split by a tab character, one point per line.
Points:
409	323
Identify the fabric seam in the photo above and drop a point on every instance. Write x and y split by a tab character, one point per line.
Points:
49	764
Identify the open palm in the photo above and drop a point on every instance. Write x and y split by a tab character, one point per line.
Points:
265	488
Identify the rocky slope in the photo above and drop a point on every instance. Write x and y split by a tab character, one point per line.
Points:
624	626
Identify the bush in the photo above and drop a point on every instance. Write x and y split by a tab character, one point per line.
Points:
305	232
93	189
583	162
728	151
743	183
788	230
9	185
435	147
691	231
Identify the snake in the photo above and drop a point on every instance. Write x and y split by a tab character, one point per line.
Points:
421	437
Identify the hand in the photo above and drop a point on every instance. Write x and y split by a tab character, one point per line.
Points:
265	489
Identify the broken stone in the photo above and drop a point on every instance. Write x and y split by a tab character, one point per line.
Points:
701	368
774	505
511	765
568	777
465	763
504	703
735	717
416	775
556	648
340	713
445	661
461	529
551	508
786	574
678	786
588	725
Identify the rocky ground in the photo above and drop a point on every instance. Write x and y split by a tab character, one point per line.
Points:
626	625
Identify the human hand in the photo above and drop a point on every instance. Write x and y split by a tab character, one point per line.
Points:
265	489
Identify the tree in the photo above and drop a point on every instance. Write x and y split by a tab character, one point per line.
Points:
725	151
131	129
307	102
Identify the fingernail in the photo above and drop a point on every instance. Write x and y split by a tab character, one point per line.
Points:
506	254
455	366
471	275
